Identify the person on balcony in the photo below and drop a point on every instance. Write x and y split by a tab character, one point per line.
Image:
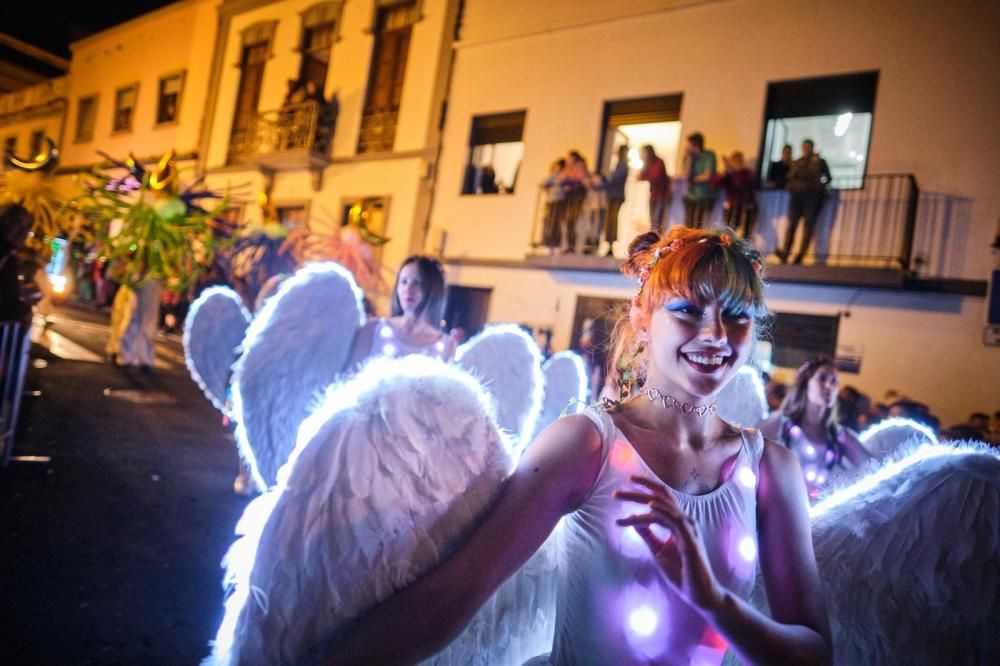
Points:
574	180
654	171
777	172
554	206
739	207
614	189
808	178
700	168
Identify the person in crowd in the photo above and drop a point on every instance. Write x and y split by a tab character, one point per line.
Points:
739	185
654	171
912	409
777	171
555	206
854	407
661	462
808	178
414	326
995	427
700	167
15	224
595	213
488	180
774	392
574	180
614	188
980	422
808	424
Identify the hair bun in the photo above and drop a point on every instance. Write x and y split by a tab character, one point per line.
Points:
638	250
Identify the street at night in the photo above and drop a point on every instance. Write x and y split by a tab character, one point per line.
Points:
112	550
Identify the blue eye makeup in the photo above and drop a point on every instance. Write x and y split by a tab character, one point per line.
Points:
682	306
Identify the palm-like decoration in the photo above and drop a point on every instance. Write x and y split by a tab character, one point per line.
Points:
150	227
30	184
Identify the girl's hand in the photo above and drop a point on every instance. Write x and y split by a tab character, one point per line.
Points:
682	554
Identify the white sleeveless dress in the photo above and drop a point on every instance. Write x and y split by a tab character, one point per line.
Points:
385	342
615	606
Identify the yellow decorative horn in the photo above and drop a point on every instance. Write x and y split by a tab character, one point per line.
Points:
41	161
164	174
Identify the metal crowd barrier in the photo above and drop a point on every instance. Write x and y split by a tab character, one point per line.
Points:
15	344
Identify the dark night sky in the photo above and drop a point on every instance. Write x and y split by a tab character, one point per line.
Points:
53	25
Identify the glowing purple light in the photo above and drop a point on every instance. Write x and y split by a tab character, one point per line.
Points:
389	349
748	548
385	332
439	345
810	472
746	477
810	451
643	621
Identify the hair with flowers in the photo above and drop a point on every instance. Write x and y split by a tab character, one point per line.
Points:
700	265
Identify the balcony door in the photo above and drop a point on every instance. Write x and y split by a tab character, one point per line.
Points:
393	26
251	77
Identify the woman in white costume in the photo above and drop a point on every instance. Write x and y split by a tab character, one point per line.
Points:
667	507
807	424
414	327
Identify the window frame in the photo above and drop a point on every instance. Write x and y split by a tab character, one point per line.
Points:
78	137
135	105
851	82
180	74
475	126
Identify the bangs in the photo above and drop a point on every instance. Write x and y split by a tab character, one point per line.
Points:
706	272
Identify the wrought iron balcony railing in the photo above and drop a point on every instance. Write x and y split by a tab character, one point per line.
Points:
378	131
294	136
882	221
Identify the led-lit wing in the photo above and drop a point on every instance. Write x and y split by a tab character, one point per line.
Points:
909	558
390	471
742	401
295	347
566	387
508	363
213	331
886	436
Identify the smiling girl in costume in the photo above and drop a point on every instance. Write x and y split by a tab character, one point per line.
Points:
667	507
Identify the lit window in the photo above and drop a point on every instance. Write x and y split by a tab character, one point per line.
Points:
125	99
495	152
169	103
86	114
835	112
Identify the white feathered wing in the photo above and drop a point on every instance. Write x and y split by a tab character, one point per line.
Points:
392	469
909	558
508	363
742	401
295	347
213	330
566	387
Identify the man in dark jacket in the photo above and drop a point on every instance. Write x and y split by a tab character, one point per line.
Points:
808	178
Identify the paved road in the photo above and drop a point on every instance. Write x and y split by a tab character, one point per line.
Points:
110	553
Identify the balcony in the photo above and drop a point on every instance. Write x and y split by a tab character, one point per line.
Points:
879	231
297	136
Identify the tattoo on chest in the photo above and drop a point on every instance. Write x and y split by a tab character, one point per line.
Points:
691	483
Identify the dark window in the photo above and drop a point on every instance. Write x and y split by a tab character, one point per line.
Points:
10	145
393	26
834	111
86	114
317	42
495	152
125	101
796	338
169	102
251	76
467	308
293	216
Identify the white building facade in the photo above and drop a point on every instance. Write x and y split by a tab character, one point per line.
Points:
913	85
